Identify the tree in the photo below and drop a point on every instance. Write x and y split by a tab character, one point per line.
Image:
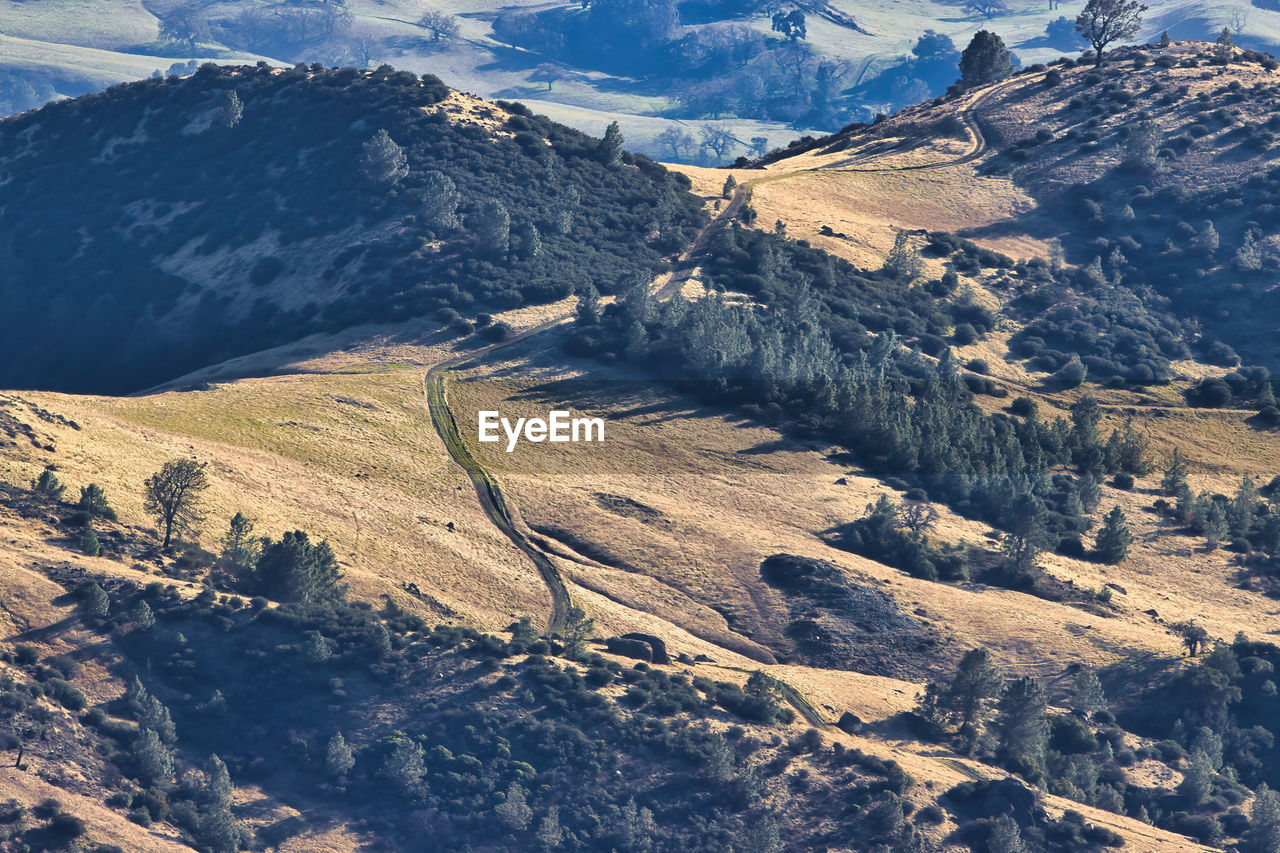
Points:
439	200
1087	696
986	8
1022	729
338	758
96	602
730	184
1142	146
1193	636
293	569
232	110
493	228
550	833
1112	544
528	241
547	73
185	24
48	486
903	262
976	683
790	24
1174	481
141	617
240	549
587	313
985	60
1224	50
174	495
404	765
1105	22
611	144
1165	40
153	760
89	544
759	145
577	628
93	503
1197	780
1005	836
717	139
676	139
218	828
443	26
1264	823
383	160
514	810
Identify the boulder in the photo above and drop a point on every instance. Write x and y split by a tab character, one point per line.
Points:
630	648
655	643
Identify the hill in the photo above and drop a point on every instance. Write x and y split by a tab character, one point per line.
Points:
205	217
854	569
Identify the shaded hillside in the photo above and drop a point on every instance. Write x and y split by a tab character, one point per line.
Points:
155	228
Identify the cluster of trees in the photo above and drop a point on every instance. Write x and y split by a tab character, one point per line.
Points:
715	69
903	416
449	217
1247	522
1086	321
1204	719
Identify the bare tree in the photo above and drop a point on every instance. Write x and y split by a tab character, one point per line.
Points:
1238	18
443	26
1104	22
716	138
677	140
986	8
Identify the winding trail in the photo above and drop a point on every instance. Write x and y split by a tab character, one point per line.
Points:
488	491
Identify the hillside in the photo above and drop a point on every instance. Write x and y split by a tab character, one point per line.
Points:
914	528
186	217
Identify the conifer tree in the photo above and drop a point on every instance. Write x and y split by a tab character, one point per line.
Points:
384	161
985	60
294	569
611	144
48	486
1087	696
1225	48
1197	780
727	190
240	549
93	502
338	757
1022	728
232	110
493	229
976	683
89	544
514	811
152	758
1175	474
1006	837
1264	823
1112	545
